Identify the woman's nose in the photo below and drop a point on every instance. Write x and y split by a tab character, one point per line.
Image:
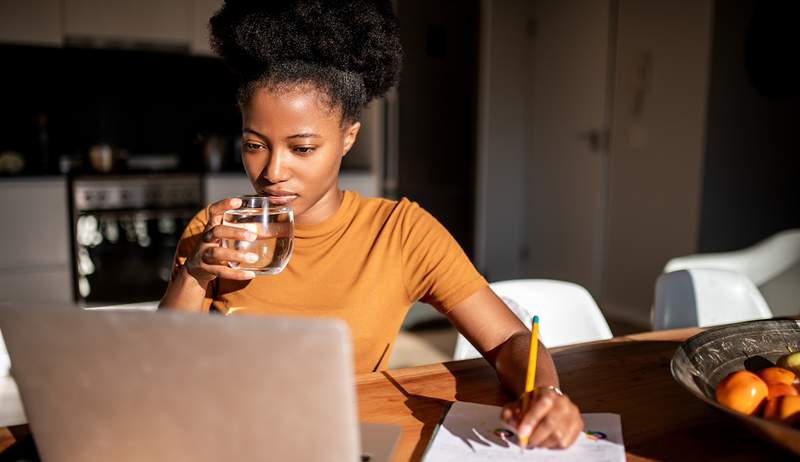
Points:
277	170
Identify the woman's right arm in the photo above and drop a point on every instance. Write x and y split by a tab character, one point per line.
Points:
208	261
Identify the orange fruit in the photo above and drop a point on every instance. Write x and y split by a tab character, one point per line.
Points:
742	391
785	408
780	389
777	375
775	391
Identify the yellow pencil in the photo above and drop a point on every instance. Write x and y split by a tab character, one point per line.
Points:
531	376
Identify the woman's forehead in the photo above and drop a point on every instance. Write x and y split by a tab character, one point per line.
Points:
289	106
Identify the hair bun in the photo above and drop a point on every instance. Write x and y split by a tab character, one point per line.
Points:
359	36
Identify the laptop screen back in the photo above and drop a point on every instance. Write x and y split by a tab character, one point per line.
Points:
133	386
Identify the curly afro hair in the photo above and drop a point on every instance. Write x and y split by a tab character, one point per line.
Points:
349	50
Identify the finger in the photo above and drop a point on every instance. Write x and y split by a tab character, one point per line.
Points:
226	272
216	209
507	415
551	442
216	233
547	429
214	255
560	427
235	274
541	405
574	432
559	439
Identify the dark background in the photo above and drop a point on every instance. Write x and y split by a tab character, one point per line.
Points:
143	102
751	180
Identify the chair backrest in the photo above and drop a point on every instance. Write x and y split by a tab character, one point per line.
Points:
11	411
567	312
706	297
759	263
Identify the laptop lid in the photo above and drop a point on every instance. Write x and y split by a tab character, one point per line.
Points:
133	386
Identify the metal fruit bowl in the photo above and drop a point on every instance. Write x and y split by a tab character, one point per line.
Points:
703	360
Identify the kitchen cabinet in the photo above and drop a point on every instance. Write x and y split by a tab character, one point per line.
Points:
218	186
33	22
37	285
35	245
126	23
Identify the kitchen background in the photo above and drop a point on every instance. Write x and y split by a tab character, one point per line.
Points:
583	140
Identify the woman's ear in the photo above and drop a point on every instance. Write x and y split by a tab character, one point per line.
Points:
350	135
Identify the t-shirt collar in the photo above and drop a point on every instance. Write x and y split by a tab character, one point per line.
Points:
342	215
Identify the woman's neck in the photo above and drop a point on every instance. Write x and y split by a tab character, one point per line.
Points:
323	209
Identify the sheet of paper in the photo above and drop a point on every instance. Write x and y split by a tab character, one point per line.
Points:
473	432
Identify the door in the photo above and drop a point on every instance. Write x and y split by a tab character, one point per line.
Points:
569	122
437	105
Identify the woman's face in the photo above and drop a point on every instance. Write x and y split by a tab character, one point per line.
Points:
292	147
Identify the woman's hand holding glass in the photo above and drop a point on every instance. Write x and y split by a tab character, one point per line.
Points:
210	260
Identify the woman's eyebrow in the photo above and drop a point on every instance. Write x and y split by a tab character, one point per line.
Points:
250	130
304	135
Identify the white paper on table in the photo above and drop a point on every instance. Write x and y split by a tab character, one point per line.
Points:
468	433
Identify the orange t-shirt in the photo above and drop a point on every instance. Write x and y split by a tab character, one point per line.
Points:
366	264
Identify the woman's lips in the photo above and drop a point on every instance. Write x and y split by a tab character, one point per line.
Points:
281	199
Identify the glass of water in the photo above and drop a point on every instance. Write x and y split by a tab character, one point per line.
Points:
273	226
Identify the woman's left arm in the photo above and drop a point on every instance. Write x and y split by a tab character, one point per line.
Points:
551	420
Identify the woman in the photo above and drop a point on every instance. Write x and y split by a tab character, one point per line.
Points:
307	68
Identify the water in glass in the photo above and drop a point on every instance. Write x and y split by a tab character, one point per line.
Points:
274	229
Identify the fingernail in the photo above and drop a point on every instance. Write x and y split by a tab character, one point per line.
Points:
251	257
250	236
236	202
524	430
249	274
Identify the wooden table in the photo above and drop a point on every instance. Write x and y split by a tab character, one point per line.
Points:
626	375
629	376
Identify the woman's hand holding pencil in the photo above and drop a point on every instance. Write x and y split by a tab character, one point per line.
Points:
543	416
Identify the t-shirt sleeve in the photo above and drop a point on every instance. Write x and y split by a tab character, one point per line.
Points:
186	244
435	268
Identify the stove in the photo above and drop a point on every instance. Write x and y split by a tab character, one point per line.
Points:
125	230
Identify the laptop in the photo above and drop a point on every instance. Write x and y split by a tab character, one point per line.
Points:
168	386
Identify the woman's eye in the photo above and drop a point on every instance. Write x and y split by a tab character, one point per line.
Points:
251	146
304	149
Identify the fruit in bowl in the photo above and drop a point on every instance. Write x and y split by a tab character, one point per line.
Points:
772	393
777	375
742	391
703	361
790	361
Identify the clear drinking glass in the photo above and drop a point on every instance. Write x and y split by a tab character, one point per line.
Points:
274	227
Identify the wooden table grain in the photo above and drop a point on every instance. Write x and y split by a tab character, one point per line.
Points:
628	375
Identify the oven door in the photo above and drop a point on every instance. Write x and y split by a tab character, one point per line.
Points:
125	256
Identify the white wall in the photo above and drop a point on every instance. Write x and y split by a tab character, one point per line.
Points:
660	68
657	146
566	183
503	143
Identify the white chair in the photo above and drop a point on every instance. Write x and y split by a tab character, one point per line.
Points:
567	313
772	265
760	262
706	297
11	412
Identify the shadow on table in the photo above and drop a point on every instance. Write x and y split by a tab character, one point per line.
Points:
423	408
